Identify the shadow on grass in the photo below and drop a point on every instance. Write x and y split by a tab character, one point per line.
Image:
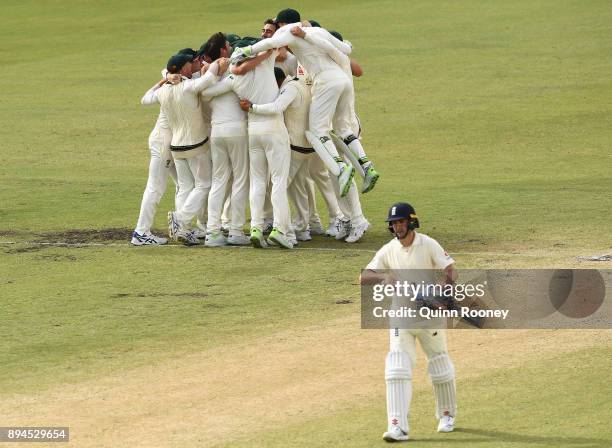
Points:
528	440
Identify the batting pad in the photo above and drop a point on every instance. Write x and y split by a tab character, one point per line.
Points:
398	376
346	151
327	154
442	374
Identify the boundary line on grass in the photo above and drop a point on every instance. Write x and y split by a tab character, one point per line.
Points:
180	246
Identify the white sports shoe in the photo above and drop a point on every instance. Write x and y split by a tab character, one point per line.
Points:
357	232
447	424
147	239
216	239
238	240
280	239
200	233
343	227
331	230
316	228
303	236
395	434
187	237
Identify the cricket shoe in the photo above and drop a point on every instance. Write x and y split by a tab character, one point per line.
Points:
147	239
446	424
343	228
345	177
371	177
331	230
173	225
316	228
257	238
187	237
280	239
292	240
215	239
395	434
238	240
303	236
357	232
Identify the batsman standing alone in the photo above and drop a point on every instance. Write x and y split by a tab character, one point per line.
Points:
412	250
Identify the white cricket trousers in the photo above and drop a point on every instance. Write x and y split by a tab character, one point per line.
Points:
320	175
441	371
350	205
269	154
331	101
155	189
433	342
298	192
230	160
194	179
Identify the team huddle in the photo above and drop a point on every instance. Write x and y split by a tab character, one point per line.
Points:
265	120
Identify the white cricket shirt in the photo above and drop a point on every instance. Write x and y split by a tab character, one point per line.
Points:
314	58
423	253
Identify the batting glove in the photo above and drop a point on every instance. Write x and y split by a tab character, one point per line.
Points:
240	54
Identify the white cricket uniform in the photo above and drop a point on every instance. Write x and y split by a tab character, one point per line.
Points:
424	253
230	157
331	86
347	126
348	207
289	65
182	106
269	151
293	102
207	116
160	166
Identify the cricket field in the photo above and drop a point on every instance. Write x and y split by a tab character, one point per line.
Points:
492	118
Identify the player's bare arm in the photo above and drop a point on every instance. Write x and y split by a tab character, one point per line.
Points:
356	69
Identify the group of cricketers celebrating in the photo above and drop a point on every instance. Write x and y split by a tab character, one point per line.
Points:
264	120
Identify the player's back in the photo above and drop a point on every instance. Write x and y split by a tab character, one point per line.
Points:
314	58
183	109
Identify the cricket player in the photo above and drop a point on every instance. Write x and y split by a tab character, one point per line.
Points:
412	250
160	166
331	87
197	63
345	125
293	102
230	158
269	152
182	105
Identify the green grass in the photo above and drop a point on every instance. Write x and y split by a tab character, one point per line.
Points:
78	314
557	402
492	118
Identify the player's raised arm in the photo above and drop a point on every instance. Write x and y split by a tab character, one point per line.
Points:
342	46
151	96
339	57
281	38
250	64
219	88
210	77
